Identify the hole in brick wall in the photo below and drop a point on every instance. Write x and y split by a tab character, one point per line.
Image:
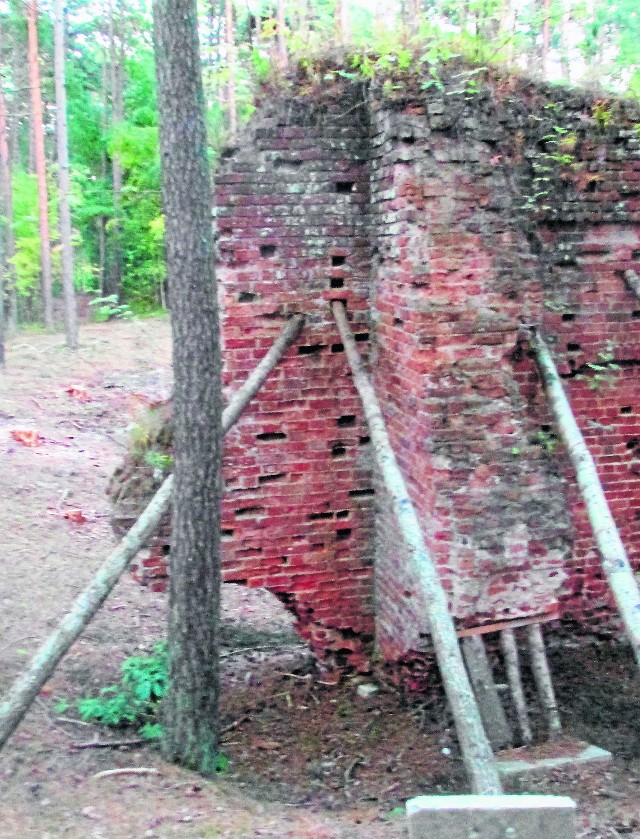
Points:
545	428
364	440
267	436
226	534
274	476
345	187
246	512
337	261
360	337
635	253
637	515
226	231
246	297
271	315
317	516
568	316
343	533
342	514
246	552
408	593
346	421
336	282
361	493
281	162
338	449
398	322
311	349
317	546
410	141
592	186
635	313
574	347
626	409
267	250
337	347
166	549
633	442
284	560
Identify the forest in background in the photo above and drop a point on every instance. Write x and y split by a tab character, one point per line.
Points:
83	193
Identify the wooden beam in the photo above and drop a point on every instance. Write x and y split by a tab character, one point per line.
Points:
615	562
26	687
476	750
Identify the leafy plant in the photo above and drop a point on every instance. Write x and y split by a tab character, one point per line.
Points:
601	373
158	460
109	307
134	701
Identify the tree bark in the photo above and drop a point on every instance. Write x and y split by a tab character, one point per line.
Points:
191	703
476	750
10	313
40	164
546	36
281	29
64	185
26	687
113	278
230	36
343	22
615	561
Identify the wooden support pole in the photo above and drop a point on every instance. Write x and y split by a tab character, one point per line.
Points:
542	676
26	687
514	677
476	750
492	712
615	562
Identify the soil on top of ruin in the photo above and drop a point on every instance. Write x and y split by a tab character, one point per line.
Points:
307	759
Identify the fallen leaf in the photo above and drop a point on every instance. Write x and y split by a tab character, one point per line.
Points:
76	516
27	437
79	393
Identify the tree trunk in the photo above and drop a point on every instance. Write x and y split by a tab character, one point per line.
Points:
546	36
615	562
113	278
343	22
230	33
40	164
64	210
26	687
281	29
8	238
191	704
476	751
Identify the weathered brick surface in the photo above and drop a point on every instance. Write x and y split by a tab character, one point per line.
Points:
445	220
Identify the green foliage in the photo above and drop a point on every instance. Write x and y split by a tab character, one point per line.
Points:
158	460
603	372
135	700
109	307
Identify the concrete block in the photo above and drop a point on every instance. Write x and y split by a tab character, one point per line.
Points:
491	817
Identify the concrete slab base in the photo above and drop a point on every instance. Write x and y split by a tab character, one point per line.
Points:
554	754
491	817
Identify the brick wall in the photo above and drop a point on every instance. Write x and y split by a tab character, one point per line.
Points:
445	219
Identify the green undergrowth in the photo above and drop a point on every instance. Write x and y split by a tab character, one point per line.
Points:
135	700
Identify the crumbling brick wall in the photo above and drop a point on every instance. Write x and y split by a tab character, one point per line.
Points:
446	219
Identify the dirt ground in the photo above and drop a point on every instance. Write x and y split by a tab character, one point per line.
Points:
307	760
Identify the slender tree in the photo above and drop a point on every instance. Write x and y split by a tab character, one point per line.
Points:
343	22
8	239
232	105
281	29
40	162
113	279
191	703
64	186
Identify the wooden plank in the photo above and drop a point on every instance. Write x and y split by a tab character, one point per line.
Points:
493	716
513	624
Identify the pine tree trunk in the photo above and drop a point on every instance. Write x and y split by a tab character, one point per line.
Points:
546	36
343	22
281	28
230	35
113	279
64	210
191	703
40	165
8	238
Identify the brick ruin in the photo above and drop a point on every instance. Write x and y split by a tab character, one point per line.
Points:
445	219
